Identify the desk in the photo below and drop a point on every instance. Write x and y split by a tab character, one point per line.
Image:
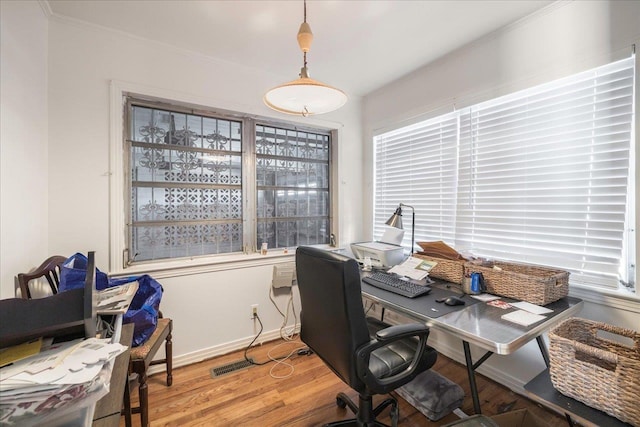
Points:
109	407
479	324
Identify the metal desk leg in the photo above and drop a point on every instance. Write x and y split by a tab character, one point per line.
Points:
569	420
472	378
543	350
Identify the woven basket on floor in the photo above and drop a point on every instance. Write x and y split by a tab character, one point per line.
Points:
445	269
531	283
597	371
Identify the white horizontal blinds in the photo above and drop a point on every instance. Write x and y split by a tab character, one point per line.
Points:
544	175
416	165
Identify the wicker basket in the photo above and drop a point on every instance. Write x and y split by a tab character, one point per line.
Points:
531	283
599	372
445	269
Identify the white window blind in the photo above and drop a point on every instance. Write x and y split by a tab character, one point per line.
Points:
417	166
541	176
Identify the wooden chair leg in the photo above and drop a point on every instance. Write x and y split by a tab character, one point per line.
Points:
143	394
127	404
168	347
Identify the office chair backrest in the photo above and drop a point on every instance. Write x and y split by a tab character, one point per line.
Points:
332	316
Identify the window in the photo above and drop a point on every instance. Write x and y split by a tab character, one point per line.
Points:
542	176
293	187
188	174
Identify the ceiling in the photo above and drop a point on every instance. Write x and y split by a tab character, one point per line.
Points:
358	46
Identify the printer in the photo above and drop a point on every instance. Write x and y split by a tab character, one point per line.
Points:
383	255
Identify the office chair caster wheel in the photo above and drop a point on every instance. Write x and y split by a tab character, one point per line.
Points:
341	402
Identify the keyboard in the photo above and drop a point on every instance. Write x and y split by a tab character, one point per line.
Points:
396	285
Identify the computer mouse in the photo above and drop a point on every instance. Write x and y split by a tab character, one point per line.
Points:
454	301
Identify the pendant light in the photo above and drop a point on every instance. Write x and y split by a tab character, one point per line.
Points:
305	96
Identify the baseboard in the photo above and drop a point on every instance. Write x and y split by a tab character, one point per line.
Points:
218	350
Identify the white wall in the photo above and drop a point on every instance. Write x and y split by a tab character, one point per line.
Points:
210	310
564	38
23	140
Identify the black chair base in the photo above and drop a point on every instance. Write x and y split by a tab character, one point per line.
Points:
366	414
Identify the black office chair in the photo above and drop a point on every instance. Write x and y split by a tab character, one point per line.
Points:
334	326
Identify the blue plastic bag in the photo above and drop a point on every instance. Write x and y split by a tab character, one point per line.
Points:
144	308
73	273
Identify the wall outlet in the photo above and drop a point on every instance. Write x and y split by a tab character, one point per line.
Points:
254	311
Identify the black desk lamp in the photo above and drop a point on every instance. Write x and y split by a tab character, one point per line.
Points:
396	221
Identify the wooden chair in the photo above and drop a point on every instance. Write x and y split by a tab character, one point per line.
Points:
49	269
141	358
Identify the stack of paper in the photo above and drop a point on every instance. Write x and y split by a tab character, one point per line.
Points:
116	300
72	362
528	313
63	375
17	352
414	268
522	317
531	308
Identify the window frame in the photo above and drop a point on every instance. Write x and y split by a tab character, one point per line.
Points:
120	183
278	186
130	101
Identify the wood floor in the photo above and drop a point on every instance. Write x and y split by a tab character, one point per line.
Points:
305	397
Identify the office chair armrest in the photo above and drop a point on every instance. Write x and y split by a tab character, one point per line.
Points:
390	335
401	331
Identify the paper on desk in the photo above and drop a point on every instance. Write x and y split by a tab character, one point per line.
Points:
485	297
20	351
116	300
531	308
47	376
75	362
46	359
414	268
92	351
393	236
522	317
82	376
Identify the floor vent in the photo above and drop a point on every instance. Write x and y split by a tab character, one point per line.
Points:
231	367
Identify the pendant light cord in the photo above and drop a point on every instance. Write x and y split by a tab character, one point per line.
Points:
304	54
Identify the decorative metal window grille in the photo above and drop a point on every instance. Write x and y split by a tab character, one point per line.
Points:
292	172
186	171
186	184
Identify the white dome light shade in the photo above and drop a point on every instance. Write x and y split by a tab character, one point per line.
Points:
305	97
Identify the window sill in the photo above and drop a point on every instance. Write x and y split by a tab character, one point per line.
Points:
184	267
618	300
